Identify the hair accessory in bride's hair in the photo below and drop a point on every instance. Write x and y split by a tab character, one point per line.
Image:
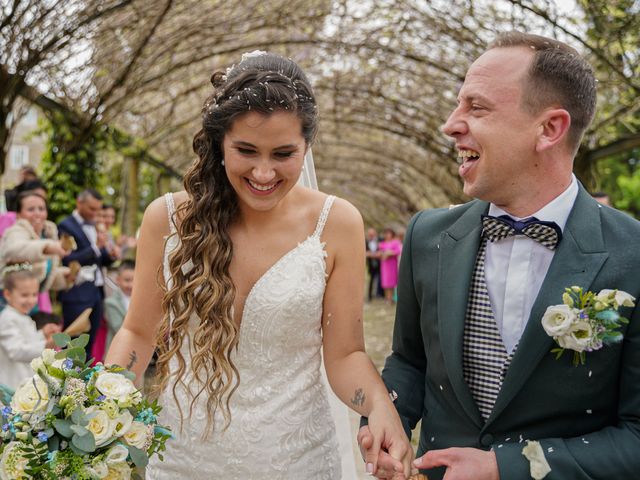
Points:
255	53
17	267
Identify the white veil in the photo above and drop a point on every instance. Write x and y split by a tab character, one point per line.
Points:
339	410
308	176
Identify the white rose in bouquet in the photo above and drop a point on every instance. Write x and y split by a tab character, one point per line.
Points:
98	469
32	397
116	454
138	436
13	463
117	387
618	298
37	364
100	425
123	423
119	471
579	337
48	356
558	320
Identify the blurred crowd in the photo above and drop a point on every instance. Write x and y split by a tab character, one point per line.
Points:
72	277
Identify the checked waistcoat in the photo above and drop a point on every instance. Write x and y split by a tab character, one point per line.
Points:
485	358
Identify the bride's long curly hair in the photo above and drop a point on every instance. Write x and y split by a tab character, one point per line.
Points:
199	283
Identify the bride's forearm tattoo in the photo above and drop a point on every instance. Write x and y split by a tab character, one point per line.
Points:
358	398
133	358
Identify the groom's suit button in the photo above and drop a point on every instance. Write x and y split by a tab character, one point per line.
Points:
486	440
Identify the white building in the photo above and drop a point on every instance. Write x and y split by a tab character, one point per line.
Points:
24	147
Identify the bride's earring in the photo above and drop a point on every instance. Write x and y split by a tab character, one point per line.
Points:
222	162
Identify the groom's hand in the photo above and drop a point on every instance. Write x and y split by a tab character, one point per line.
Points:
387	467
462	463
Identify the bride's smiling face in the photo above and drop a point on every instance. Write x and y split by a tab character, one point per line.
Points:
263	157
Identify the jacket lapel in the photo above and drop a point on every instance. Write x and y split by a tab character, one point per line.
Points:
79	231
458	250
577	261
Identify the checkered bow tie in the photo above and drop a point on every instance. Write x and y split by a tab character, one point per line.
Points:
545	233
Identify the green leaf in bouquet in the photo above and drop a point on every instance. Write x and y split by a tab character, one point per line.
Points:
86	443
79	417
61	354
77	354
53	443
139	457
78	430
63	427
80	342
56	372
61	339
6	394
79	452
135	476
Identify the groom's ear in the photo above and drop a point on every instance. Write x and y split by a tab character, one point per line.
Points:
553	128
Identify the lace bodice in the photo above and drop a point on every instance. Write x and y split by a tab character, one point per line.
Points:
281	424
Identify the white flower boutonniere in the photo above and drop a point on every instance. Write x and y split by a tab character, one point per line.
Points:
586	321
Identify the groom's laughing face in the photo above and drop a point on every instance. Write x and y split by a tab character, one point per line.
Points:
495	136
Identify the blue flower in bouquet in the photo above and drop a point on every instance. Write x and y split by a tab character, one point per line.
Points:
72	420
146	416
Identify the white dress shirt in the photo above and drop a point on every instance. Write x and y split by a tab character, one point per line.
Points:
516	266
90	231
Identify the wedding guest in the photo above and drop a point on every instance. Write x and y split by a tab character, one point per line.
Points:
92	254
389	250
373	263
104	222
20	341
26	174
34	239
470	355
31	185
117	304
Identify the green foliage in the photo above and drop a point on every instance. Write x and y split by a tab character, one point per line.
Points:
619	177
71	161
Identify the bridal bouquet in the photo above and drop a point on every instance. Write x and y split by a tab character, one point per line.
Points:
77	422
586	321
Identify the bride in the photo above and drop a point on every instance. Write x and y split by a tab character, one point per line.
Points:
259	275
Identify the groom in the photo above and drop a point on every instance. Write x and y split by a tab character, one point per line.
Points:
470	357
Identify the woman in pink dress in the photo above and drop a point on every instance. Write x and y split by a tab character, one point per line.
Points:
389	249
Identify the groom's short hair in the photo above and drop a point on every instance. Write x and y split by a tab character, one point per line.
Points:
558	75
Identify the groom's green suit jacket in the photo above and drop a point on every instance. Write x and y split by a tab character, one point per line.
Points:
587	418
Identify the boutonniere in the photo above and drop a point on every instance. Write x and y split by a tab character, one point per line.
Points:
586	321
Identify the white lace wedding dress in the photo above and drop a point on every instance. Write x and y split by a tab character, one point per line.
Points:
281	427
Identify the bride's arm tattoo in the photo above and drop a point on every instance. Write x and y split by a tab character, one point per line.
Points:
358	398
133	358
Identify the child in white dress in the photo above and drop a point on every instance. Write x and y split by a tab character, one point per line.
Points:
20	341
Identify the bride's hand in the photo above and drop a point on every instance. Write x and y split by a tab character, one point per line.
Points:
385	432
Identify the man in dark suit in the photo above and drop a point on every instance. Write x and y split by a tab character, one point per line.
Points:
373	264
92	255
470	356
